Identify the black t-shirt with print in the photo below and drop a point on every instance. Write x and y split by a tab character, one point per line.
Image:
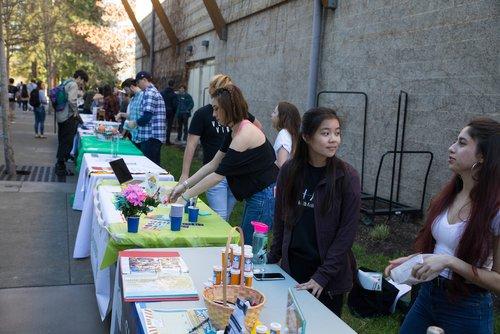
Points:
303	252
211	133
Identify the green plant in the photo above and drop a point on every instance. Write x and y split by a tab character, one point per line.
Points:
380	232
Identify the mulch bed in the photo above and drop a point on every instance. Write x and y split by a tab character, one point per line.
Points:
400	239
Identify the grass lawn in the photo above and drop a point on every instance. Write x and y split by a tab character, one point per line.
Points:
172	161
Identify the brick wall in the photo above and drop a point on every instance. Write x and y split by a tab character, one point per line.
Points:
443	53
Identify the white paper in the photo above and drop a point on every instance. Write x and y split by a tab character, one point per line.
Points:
370	280
402	273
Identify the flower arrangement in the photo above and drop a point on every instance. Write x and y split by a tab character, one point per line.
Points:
134	201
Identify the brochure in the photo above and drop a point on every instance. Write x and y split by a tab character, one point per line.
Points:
157	321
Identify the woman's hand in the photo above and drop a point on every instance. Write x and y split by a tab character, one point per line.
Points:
311	285
396	262
432	265
176	193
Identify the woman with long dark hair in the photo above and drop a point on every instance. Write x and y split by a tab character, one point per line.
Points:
111	105
286	119
317	212
462	231
246	158
25	96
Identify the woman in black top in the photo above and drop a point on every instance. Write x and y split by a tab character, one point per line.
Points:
246	159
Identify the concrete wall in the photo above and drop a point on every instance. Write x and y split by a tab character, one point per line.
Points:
443	53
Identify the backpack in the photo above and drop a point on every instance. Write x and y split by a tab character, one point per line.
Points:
58	97
35	98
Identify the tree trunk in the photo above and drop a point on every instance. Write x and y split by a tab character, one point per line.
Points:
34	69
10	164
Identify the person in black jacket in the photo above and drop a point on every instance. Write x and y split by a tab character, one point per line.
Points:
170	99
318	198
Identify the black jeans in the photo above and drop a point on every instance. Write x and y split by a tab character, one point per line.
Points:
151	148
65	133
183	125
333	302
170	123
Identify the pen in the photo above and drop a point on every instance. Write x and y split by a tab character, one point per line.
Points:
199	325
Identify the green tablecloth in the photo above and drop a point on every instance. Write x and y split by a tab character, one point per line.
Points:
90	144
214	232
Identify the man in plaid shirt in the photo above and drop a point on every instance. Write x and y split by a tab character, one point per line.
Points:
152	118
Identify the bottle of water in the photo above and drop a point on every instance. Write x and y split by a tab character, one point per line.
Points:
259	242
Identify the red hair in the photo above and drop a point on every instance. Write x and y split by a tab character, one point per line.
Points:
476	243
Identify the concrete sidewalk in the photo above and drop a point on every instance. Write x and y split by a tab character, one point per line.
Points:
42	289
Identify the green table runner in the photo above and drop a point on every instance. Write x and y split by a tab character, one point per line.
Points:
90	144
214	232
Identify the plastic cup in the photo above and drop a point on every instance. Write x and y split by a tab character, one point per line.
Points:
186	207
175	223
132	224
193	214
176	210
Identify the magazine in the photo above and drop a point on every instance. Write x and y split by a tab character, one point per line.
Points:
155	275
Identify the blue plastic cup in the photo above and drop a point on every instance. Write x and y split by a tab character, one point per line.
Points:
186	207
132	224
193	214
175	223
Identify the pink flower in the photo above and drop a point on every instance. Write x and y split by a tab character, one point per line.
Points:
135	195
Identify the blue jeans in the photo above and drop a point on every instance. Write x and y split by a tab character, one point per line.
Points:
259	207
39	119
221	199
473	314
151	149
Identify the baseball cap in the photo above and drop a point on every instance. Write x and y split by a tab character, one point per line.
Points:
143	75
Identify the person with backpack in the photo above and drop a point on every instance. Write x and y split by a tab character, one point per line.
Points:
318	199
64	100
38	101
25	96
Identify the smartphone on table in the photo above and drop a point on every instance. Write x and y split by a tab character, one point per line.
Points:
268	276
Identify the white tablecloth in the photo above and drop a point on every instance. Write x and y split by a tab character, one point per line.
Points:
90	173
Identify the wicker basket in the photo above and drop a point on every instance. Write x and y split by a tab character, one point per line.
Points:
217	297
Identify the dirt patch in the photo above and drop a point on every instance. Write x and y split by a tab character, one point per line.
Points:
399	240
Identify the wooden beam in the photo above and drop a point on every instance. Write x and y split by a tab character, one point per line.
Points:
137	27
167	27
217	19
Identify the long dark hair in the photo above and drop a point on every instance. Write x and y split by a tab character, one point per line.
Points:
289	119
476	243
311	121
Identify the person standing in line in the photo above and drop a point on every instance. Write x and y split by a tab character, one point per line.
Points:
246	159
25	96
205	129
285	118
318	200
184	106
13	92
38	101
462	232
170	98
133	108
67	120
111	106
31	86
151	121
